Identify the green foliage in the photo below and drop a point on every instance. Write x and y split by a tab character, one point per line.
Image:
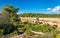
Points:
42	28
10	23
8	18
55	31
28	28
40	15
11	12
9	28
15	32
58	36
1	31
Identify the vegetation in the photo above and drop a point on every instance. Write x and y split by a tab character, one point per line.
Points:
40	15
8	18
11	25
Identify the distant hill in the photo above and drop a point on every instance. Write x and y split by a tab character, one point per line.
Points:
40	15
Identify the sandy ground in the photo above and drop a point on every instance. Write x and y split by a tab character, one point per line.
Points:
45	19
51	21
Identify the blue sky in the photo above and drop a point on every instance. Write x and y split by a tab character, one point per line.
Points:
35	6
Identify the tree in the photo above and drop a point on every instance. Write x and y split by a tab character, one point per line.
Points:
8	13
11	12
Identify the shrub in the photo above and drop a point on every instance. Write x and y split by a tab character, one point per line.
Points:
9	28
42	28
1	32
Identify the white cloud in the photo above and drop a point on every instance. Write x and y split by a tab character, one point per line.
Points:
48	8
57	8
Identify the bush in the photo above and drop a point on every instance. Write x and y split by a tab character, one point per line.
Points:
42	28
1	32
9	28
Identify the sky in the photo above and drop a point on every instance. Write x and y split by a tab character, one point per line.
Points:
34	6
